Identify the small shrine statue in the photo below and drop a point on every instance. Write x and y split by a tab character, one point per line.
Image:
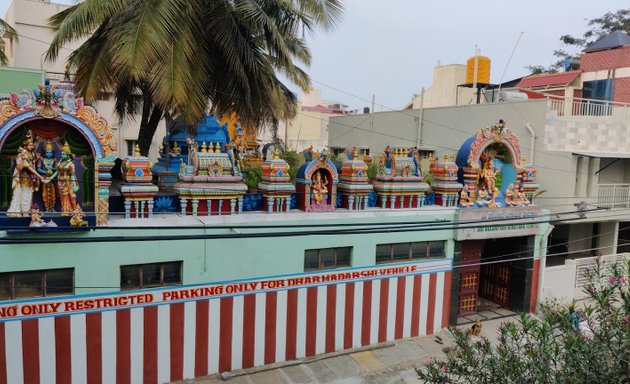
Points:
389	160
493	200
509	196
520	198
77	219
176	150
464	199
67	182
36	218
498	127
488	176
308	154
47	168
417	161
26	180
483	199
319	187
240	135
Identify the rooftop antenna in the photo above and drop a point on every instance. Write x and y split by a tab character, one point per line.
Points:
508	63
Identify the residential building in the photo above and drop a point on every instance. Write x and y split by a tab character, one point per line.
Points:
310	126
579	146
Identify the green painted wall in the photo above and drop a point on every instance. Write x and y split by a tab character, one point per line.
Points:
16	79
97	265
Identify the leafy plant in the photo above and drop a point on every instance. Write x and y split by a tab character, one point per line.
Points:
253	176
372	171
567	344
295	161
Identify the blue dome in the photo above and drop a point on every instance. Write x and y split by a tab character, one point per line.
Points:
462	158
208	130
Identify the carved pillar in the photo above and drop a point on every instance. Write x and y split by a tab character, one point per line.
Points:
195	207
351	202
127	209
102	182
392	202
240	204
150	203
183	204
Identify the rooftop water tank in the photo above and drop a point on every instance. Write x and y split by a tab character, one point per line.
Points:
483	70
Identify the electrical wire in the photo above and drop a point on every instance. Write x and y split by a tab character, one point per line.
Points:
240	235
411	141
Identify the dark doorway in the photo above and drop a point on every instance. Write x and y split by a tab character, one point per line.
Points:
493	273
506	272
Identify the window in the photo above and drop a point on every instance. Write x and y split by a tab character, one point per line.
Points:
601	93
326	258
140	276
131	145
391	253
53	282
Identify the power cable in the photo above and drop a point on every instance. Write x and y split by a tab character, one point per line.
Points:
336	232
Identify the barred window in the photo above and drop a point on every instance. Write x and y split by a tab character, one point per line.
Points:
391	253
140	276
327	258
43	283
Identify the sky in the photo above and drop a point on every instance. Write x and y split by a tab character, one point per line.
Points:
389	48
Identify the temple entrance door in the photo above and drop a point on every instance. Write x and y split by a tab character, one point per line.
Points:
505	273
495	280
469	280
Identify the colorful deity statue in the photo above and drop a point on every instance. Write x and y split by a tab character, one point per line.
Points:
488	175
67	182
78	218
319	187
47	168
26	180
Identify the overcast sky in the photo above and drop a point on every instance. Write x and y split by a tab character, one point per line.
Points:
389	48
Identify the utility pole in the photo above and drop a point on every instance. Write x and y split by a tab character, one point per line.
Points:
372	123
420	118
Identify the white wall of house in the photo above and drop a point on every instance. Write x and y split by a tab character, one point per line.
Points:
30	19
559	283
444	92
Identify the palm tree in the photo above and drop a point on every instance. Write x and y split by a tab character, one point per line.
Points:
183	57
6	28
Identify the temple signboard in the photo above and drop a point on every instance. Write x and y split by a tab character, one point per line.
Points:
489	223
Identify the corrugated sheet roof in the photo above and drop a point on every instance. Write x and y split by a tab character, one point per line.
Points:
548	79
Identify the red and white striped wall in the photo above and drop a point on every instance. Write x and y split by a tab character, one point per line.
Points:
166	342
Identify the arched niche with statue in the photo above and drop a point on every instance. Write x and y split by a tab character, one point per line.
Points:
69	145
493	171
316	185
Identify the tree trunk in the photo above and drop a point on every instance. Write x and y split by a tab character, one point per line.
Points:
148	126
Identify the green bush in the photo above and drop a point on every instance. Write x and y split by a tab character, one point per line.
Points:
372	171
295	160
566	345
253	176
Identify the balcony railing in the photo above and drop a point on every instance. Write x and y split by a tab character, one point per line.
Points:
575	106
614	195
